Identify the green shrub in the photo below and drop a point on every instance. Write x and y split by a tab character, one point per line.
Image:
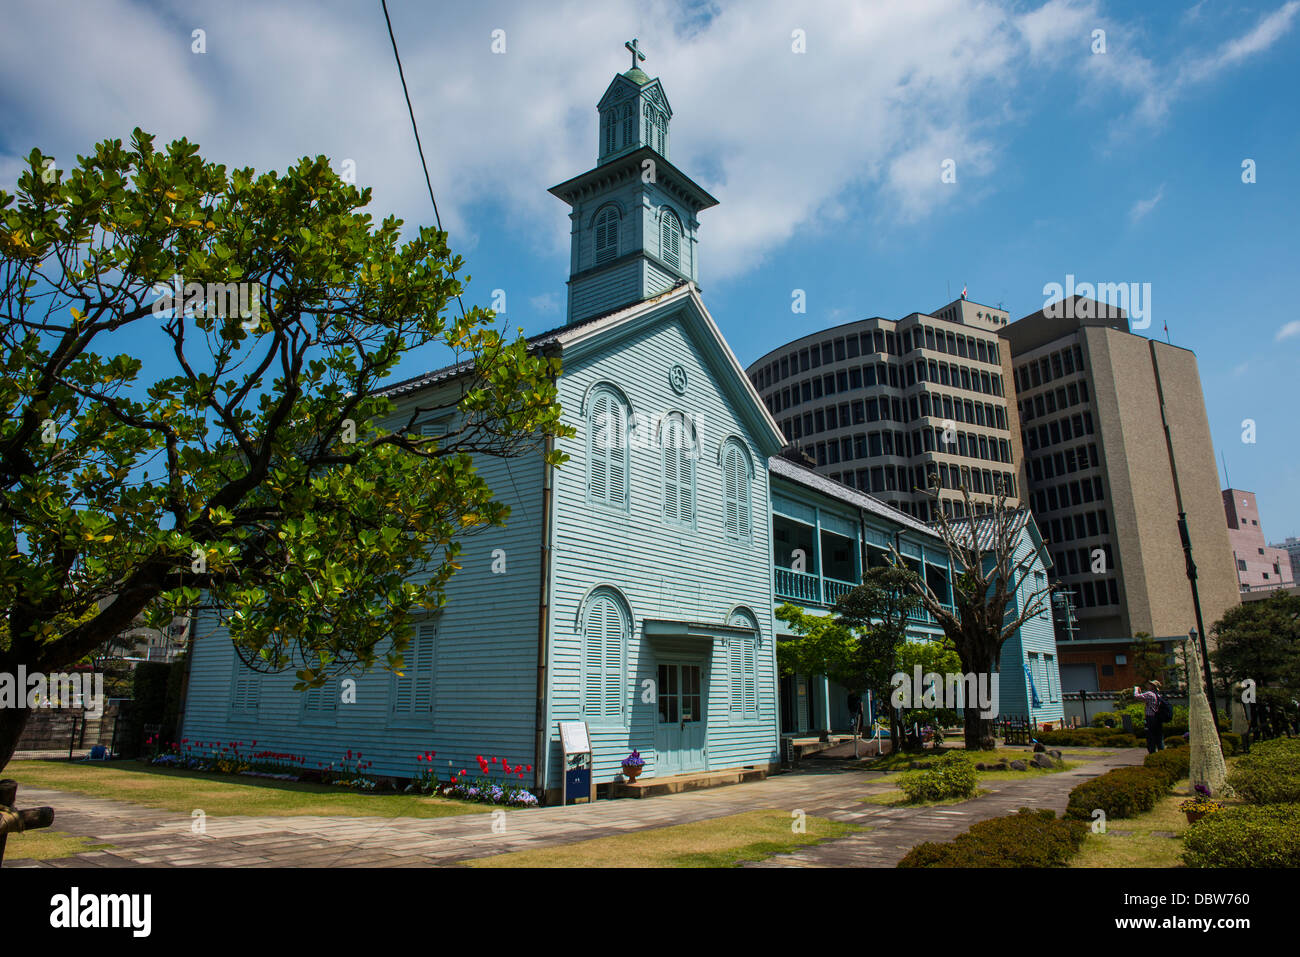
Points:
1231	743
1087	738
1176	741
1247	836
1122	792
1028	838
1101	717
1173	764
952	776
1269	774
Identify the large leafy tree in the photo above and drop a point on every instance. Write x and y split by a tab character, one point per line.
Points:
1260	641
983	553
250	470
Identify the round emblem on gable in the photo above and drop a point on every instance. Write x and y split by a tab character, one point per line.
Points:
677	379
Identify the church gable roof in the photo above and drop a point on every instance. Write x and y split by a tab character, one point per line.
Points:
600	332
631	84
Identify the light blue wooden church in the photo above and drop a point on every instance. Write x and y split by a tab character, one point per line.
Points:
634	587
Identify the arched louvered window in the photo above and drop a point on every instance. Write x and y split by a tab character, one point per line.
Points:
737	506
663	131
649	126
670	239
609	128
743	668
606	238
629	125
604	645
677	442
607	449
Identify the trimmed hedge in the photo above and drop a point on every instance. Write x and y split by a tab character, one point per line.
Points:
1088	738
1174	764
1028	838
1122	792
1270	774
952	776
1246	836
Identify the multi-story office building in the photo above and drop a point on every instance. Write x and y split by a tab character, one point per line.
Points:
1260	567
881	405
1093	400
1292	548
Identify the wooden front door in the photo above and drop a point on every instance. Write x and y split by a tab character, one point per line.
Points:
680	728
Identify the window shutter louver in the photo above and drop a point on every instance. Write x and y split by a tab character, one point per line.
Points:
606	236
670	239
751	691
736	667
606	450
594	646
612	686
603	638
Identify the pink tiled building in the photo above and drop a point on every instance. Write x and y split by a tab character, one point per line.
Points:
1259	567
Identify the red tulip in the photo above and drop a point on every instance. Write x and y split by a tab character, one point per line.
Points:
529	768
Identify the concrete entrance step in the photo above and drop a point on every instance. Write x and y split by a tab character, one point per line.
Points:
676	783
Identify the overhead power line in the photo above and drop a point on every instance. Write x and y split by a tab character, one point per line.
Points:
416	129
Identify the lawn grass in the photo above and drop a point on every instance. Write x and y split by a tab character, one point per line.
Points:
718	842
43	844
1140	841
224	794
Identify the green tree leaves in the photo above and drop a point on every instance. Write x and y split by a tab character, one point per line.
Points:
257	472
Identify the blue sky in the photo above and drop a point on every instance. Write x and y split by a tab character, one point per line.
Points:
1115	166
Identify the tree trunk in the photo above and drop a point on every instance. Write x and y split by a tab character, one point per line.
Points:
978	730
12	722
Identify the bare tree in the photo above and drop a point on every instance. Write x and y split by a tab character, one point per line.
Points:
984	612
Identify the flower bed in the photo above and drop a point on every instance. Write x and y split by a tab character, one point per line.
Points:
483	789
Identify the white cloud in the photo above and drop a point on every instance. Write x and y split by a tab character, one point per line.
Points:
856	127
1289	330
1154	87
1144	206
1268	31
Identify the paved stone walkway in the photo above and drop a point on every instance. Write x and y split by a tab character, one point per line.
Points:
150	837
896	830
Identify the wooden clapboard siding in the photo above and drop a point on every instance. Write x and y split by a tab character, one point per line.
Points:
1036	635
484	658
661	569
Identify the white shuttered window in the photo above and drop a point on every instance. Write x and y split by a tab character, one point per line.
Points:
678	447
607	449
736	495
412	691
604	636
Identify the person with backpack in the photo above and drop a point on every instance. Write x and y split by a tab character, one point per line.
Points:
1158	711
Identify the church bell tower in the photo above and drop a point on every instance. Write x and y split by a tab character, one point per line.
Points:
634	218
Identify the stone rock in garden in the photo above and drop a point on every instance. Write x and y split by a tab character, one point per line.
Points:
1019	766
981	766
1002	765
1038	746
1055	752
1044	761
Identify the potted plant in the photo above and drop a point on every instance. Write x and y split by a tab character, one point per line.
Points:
633	765
1197	807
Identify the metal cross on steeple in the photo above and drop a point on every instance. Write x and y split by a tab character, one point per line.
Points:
636	51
